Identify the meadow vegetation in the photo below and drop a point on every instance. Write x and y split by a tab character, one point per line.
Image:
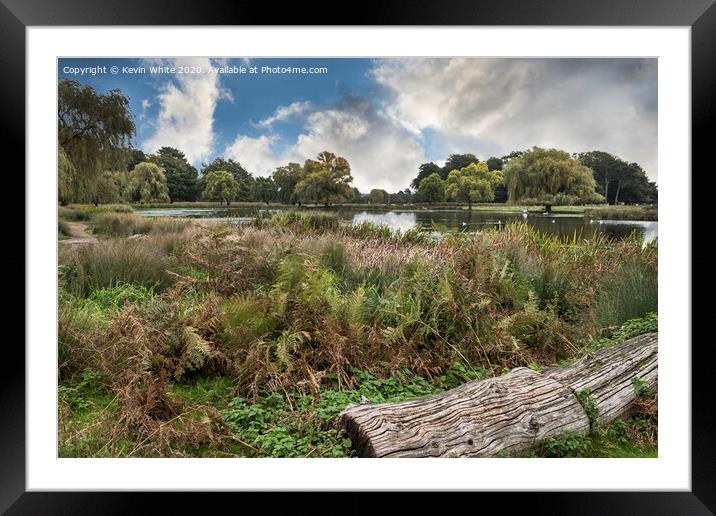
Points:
183	338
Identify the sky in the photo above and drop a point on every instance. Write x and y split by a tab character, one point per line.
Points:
386	116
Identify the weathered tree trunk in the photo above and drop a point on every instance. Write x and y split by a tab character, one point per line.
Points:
609	375
513	412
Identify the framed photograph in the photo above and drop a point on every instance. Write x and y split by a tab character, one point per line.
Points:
312	256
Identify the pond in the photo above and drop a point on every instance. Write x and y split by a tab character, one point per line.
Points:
441	220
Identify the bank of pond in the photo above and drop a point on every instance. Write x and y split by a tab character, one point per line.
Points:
566	222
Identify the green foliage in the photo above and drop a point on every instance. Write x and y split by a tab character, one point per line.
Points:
220	185
474	183
272	429
244	180
180	175
147	183
618	180
634	327
105	264
127	224
549	177
431	189
78	396
286	179
589	404
298	426
622	213
568	444
641	388
93	133
305	221
628	291
264	189
327	179
115	296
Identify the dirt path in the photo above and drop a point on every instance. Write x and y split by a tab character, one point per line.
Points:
78	234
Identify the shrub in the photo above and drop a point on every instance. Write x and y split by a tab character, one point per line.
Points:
108	263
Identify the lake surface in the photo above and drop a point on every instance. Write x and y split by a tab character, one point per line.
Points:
440	220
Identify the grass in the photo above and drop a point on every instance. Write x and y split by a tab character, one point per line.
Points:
127	224
228	340
622	213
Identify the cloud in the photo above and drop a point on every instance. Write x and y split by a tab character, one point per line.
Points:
257	155
382	154
284	113
186	111
493	106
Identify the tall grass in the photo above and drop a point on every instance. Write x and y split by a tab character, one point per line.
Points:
107	263
299	304
127	224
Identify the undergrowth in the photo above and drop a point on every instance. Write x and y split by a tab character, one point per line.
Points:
218	340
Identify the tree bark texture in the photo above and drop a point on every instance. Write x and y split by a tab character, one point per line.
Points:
513	412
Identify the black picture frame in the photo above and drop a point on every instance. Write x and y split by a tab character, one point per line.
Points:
700	15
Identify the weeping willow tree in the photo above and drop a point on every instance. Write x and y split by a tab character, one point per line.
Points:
549	177
147	183
94	134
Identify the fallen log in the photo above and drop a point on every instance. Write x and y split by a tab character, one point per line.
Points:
513	412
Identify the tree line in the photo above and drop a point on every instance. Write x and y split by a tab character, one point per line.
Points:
535	176
97	164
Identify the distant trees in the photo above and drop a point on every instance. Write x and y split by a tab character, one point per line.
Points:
473	183
456	162
264	190
424	170
618	180
147	183
181	176
244	180
286	179
327	179
93	131
431	189
549	177
220	186
378	196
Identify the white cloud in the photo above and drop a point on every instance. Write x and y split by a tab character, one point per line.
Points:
186	112
284	113
381	153
257	155
493	106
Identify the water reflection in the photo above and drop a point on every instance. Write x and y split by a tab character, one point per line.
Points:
441	220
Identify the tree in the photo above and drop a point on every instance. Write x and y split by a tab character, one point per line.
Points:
147	183
134	157
221	186
93	130
244	180
432	189
402	197
378	196
327	179
618	180
108	189
264	189
456	162
286	178
494	163
181	176
473	183
424	171
66	177
549	177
